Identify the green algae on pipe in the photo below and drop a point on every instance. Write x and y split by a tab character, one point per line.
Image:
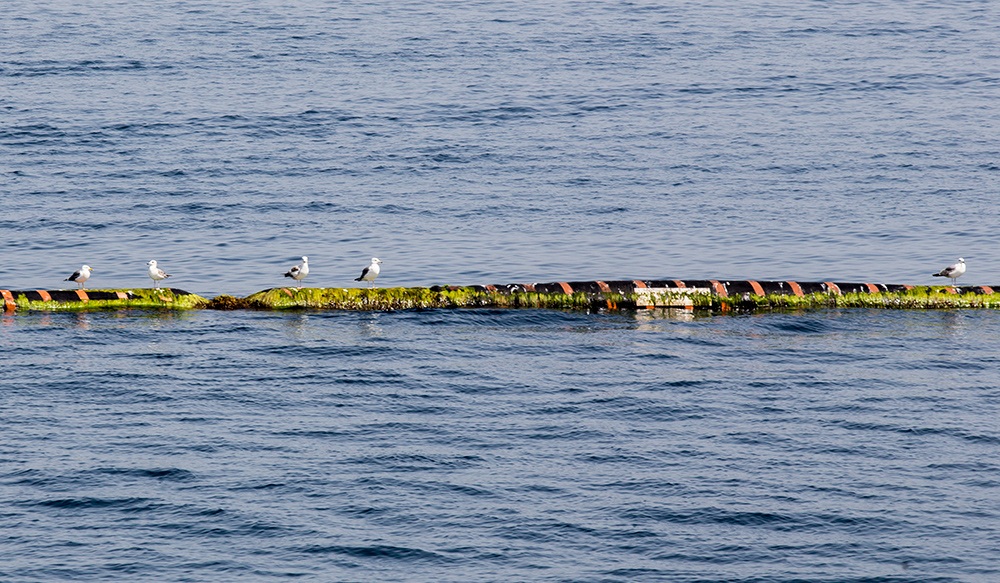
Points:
914	298
925	297
101	299
710	295
399	298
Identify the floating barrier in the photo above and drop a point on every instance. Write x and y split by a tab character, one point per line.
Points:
714	295
100	299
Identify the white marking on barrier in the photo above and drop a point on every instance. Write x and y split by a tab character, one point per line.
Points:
668	297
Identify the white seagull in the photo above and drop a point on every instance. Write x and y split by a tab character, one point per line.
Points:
299	272
952	272
371	272
80	276
155	273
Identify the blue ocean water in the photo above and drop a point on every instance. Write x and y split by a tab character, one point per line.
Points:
485	142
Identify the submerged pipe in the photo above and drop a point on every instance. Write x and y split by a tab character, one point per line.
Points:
721	288
629	294
87	299
602	295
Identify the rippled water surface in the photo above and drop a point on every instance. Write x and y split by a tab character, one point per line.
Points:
518	445
485	142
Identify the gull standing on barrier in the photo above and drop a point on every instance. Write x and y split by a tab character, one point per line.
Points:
371	272
952	272
156	274
299	272
80	276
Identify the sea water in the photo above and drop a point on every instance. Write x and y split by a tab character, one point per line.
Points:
486	142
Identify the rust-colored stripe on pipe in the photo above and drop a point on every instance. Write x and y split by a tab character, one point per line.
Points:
82	295
604	287
679	283
757	288
165	299
986	289
46	297
8	300
566	288
529	287
491	288
796	288
873	289
720	289
290	293
832	287
121	295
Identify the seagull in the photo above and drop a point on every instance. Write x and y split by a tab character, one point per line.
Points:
299	272
952	272
155	273
80	276
371	272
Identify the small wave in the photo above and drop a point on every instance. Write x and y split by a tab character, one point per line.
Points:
800	325
129	504
923	431
166	474
376	552
84	67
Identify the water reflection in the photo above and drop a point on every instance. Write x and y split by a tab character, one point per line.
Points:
953	323
650	316
297	325
368	325
81	321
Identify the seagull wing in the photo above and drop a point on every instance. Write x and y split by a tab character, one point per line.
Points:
364	272
951	270
76	274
